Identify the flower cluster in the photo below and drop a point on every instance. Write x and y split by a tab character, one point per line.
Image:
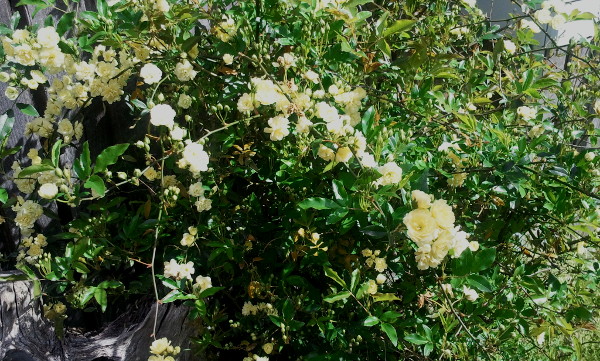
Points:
179	271
32	248
162	350
431	227
250	309
336	110
225	30
544	15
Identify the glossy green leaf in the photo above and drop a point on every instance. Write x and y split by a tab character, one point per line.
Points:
35	169
318	203
337	296
371	321
97	184
398	26
101	297
334	276
390	331
28	109
109	156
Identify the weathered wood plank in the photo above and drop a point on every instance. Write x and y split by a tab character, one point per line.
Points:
26	335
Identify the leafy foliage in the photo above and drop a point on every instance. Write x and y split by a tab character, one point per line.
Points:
285	144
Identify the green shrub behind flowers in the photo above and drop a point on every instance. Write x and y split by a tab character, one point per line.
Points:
317	180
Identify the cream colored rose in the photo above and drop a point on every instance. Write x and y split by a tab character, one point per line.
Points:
442	245
268	348
343	155
195	157
187	240
422	227
12	93
470	294
196	190
326	153
589	156
447	288
151	73
203	283
245	104
24	55
158	347
372	289
184	71
390	172
557	21
509	46
543	16
423	199
228	59
442	213
48	37
311	76
278	128
48	190
526	113
162	114
303	125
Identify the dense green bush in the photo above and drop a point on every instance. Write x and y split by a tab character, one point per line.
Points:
321	180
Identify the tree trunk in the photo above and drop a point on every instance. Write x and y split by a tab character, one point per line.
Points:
25	335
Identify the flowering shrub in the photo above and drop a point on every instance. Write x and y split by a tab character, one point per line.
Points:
353	180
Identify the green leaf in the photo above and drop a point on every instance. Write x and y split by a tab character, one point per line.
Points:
354	280
167	282
28	109
483	259
97	184
391	332
545	83
109	156
56	153
398	26
334	276
35	169
385	48
384	297
318	203
7	120
110	284
39	4
101	297
374	231
276	320
337	216
416	339
175	295
370	321
82	165
3	195
480	283
287	311
65	23
209	292
390	316
339	191
14	20
14	277
102	7
366	122
80	267
337	296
